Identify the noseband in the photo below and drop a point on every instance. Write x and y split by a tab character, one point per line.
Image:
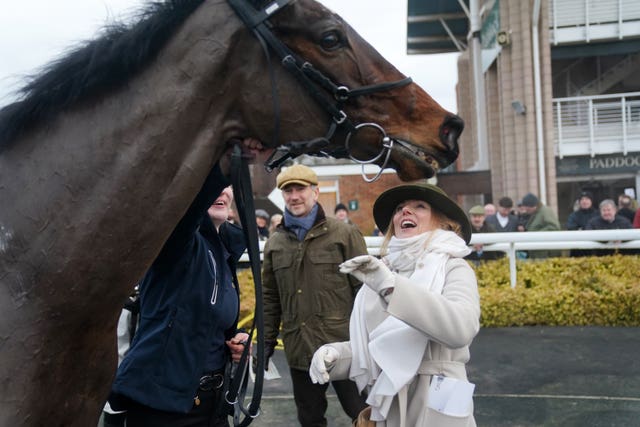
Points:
317	85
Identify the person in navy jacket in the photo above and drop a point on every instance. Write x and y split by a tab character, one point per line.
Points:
173	374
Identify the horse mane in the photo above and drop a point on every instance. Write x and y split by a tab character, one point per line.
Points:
94	67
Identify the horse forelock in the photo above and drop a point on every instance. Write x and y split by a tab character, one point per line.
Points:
94	67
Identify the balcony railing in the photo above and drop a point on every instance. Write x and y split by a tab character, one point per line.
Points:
573	21
601	124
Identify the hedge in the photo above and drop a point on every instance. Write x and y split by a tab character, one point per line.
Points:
596	291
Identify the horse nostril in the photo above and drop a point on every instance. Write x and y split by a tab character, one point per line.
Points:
450	131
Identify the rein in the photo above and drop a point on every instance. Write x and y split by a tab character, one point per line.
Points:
241	181
317	85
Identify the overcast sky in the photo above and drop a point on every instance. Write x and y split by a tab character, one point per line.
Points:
32	32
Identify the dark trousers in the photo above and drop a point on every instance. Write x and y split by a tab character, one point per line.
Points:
209	413
311	399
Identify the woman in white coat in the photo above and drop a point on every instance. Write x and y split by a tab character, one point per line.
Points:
413	321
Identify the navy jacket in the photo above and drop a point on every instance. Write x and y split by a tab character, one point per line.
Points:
178	323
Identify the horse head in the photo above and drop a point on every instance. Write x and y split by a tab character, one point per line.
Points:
351	77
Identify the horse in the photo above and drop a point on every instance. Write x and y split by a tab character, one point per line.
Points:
108	145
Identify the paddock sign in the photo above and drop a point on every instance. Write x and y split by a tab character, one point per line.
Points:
609	164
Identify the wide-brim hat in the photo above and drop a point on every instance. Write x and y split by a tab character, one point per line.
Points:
386	204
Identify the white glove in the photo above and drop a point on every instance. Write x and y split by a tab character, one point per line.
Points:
371	271
323	358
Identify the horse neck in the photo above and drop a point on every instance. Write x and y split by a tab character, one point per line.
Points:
102	186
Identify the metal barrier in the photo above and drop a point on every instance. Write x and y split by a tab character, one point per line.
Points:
510	243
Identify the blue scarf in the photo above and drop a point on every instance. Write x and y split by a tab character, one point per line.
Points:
300	225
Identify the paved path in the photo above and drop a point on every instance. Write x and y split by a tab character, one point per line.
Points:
538	376
562	376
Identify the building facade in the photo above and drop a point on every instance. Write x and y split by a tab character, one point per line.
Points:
563	111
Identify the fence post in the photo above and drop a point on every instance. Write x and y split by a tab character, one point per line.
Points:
512	264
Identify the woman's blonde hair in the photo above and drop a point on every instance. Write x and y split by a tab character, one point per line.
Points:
438	221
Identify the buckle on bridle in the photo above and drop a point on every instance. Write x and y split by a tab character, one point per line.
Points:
342	94
341	119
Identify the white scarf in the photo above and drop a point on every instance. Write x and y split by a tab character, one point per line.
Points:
388	357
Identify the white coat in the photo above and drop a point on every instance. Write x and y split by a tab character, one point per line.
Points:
449	321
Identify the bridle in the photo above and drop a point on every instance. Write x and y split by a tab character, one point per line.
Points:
236	390
318	86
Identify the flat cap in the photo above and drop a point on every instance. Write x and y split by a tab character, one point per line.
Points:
296	174
476	210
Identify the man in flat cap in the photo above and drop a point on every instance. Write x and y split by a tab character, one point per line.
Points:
480	225
304	290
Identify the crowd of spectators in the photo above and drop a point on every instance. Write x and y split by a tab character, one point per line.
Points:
530	214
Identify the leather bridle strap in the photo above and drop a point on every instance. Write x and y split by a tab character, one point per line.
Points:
314	81
257	22
241	181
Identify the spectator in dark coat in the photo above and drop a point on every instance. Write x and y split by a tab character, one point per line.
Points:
579	219
540	218
608	220
503	220
625	207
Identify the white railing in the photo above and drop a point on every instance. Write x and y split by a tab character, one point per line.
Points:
530	241
601	124
573	21
555	240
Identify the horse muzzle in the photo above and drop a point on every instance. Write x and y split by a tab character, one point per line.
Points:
450	131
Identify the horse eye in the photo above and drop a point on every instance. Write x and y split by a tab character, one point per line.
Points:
331	40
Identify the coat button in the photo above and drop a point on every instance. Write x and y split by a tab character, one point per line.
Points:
420	265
